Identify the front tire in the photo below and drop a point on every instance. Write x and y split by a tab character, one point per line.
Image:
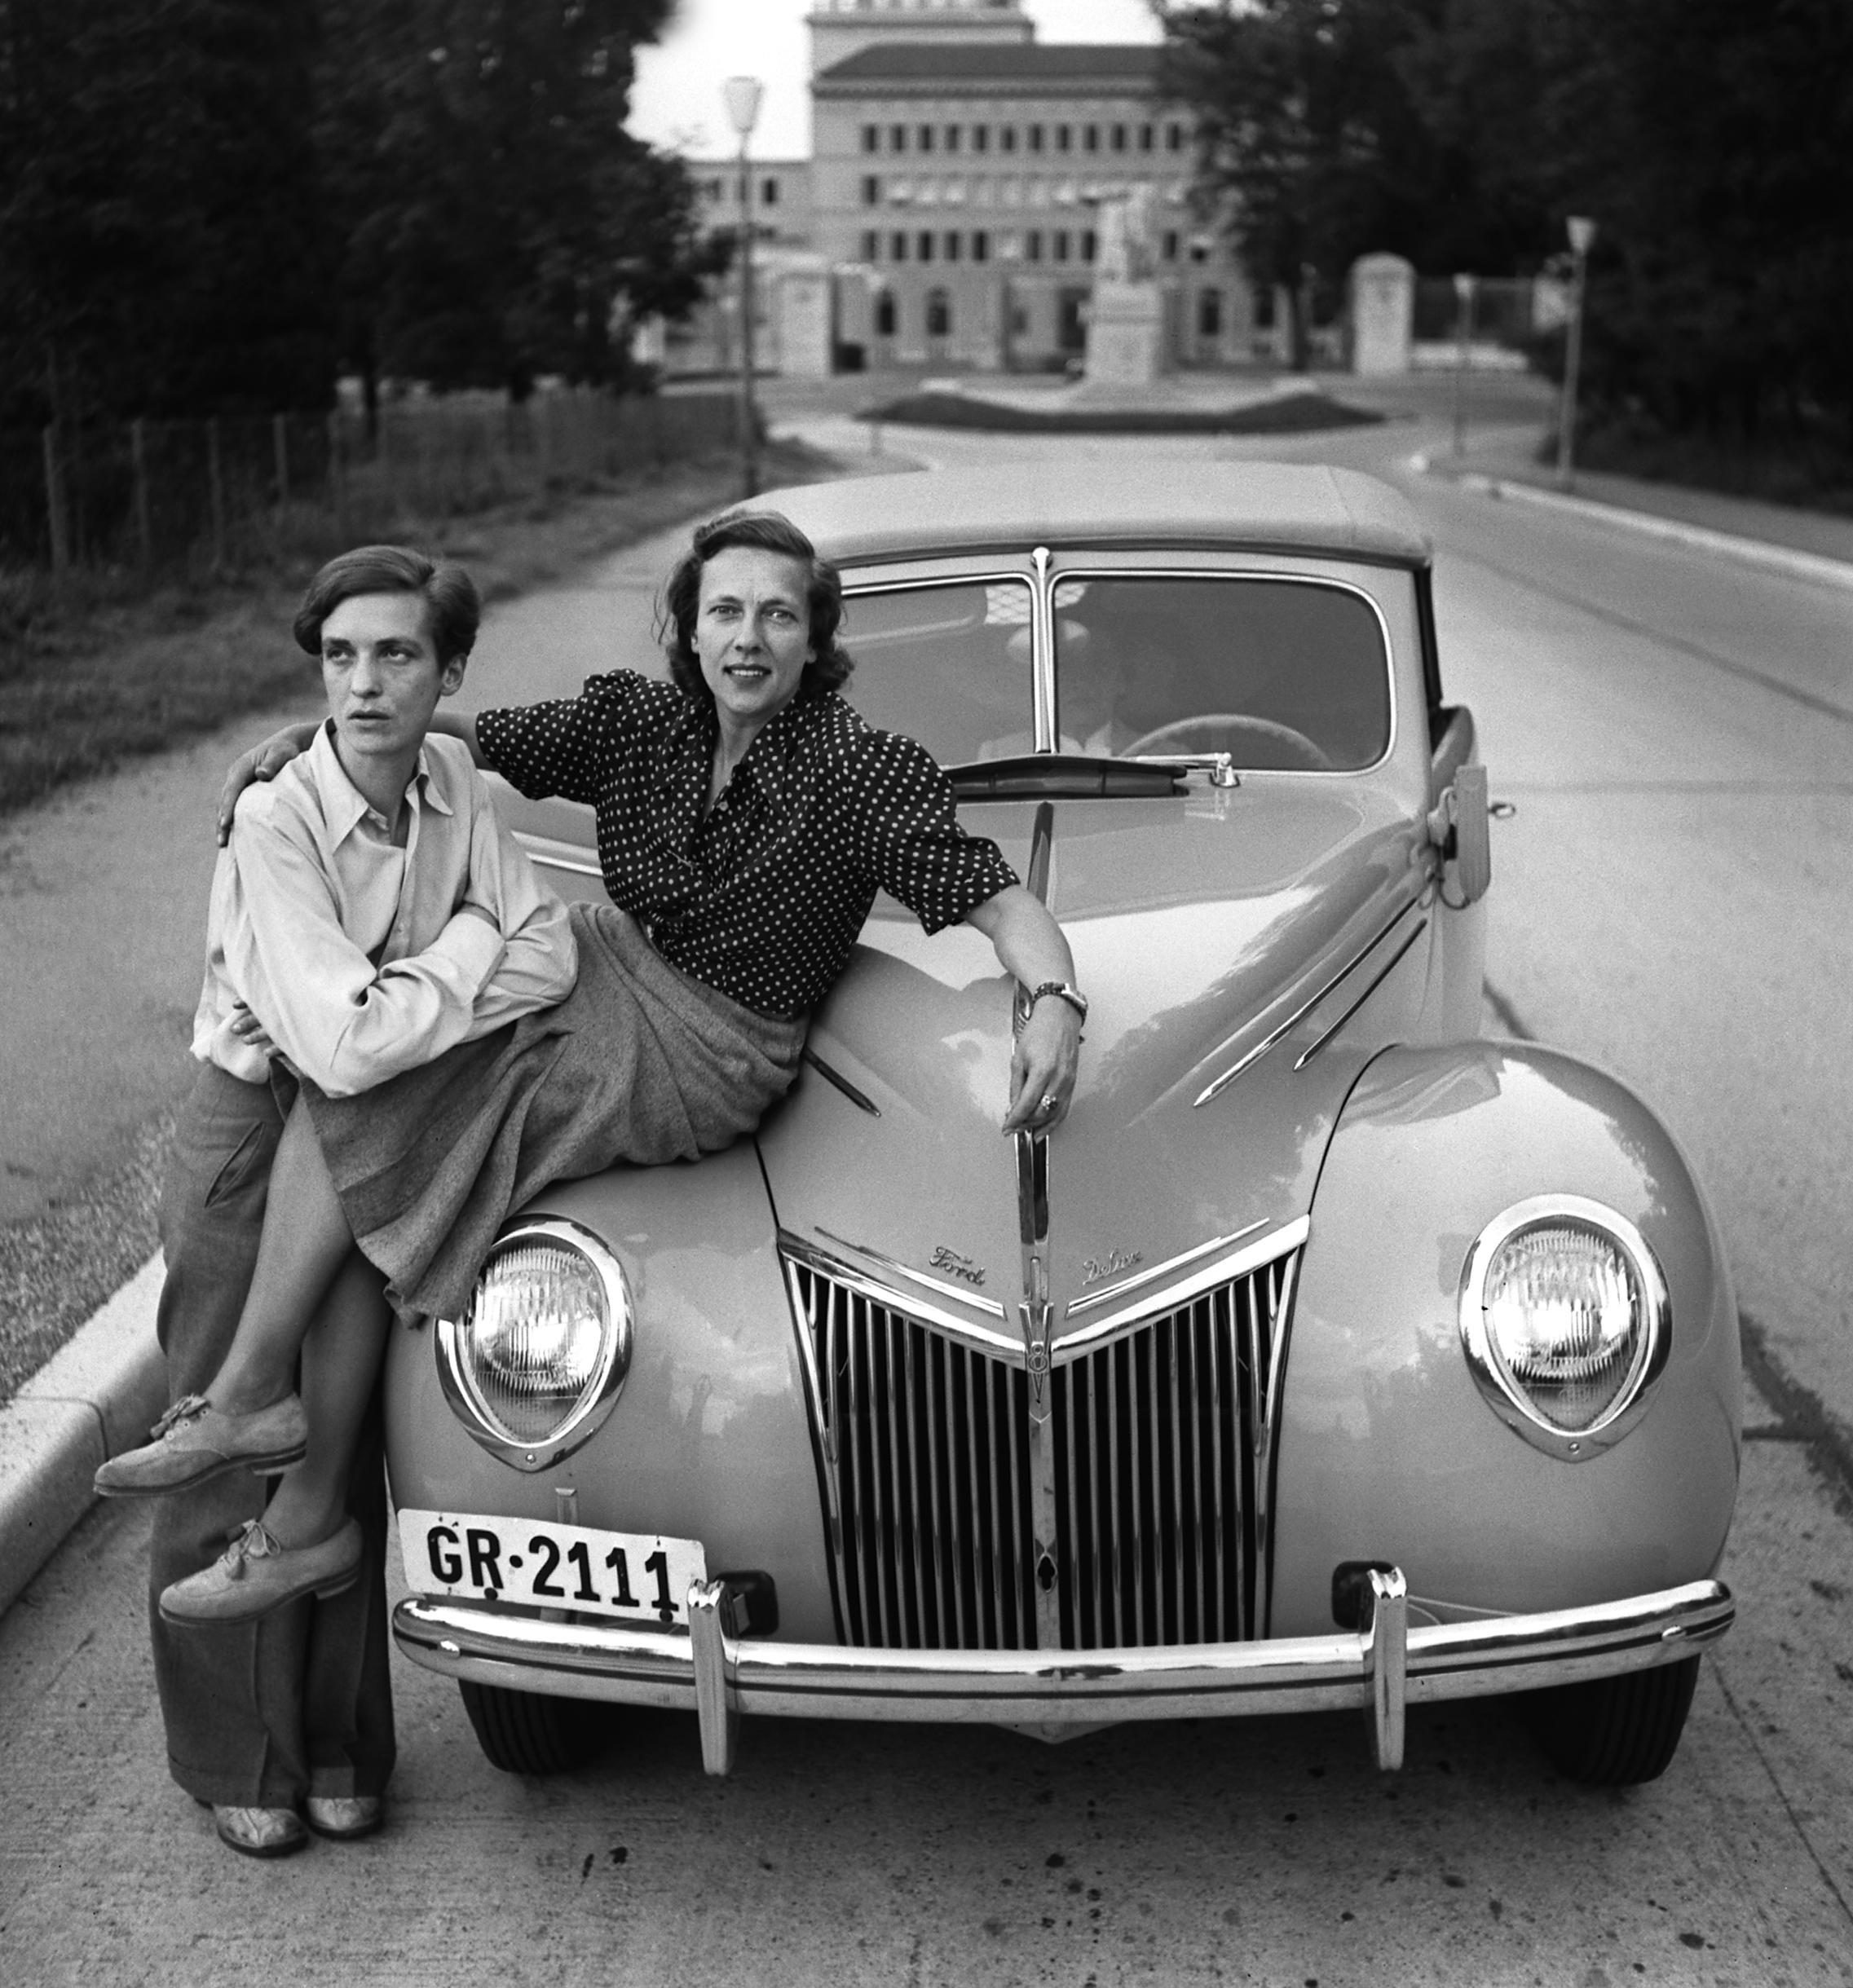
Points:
521	1732
1614	1732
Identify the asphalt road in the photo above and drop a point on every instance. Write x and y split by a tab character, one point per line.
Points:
1673	900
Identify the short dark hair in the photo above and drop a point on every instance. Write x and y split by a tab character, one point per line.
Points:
764	531
449	594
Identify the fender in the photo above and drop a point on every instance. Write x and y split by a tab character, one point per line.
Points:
709	1439
1386	1449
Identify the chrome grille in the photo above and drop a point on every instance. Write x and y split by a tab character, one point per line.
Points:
1155	1447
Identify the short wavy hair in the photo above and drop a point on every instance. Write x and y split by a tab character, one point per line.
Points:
764	531
453	612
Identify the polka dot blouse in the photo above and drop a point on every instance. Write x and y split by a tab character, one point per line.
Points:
762	895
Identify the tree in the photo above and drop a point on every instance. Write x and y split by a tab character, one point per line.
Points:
160	213
497	220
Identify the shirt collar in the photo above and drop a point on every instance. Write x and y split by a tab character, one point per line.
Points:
343	805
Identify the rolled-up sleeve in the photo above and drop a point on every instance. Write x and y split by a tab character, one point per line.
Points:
340	1020
560	746
907	836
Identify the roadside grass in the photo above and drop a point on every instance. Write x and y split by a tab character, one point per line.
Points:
91	686
114	671
1810	471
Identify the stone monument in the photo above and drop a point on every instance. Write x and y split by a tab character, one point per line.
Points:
1383	313
1126	317
804	316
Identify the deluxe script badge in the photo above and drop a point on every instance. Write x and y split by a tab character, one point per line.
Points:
1113	1264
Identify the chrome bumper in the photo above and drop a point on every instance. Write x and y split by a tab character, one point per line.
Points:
1383	1668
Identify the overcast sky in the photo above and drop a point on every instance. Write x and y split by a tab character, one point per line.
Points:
676	101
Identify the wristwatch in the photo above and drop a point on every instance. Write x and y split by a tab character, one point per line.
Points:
1062	992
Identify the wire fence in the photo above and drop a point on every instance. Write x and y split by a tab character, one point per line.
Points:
214	496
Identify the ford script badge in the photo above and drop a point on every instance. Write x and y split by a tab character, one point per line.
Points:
961	1267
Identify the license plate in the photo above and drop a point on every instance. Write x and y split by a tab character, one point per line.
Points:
635	1575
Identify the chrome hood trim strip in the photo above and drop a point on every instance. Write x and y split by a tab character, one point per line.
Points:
1078	1305
1222	1269
1217	1086
870	1286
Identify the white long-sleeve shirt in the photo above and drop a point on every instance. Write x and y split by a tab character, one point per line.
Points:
354	953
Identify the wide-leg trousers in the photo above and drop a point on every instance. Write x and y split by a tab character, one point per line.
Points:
300	1702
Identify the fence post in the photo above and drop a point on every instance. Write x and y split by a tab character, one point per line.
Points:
55	508
215	486
139	461
280	448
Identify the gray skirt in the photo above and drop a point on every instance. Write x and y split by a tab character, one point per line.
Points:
641	1064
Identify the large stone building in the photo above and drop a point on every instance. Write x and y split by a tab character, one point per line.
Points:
950	209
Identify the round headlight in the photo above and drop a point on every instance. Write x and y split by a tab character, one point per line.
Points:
1565	1322
539	1360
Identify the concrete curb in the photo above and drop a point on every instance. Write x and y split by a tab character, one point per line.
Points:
91	1400
1674	531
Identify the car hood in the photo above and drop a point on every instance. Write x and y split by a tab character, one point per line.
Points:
1199	925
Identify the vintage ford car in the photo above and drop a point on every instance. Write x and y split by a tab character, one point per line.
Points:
1329	1354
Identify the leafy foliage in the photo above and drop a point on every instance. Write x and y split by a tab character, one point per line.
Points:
210	205
1712	140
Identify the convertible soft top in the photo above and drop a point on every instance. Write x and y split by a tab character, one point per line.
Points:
1286	507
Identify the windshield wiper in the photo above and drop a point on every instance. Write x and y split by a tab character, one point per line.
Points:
1063	776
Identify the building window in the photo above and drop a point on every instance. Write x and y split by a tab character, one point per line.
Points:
924	138
1264	306
872	246
1007	138
712	189
1199	250
925	245
953	133
1089	244
1174	138
981	137
1064	137
1209	314
885	316
1035	138
1170	244
872	191
952	246
872	138
981	246
897	138
1091	139
897	246
1146	137
938	314
768	193
1061	245
1033	245
1119	138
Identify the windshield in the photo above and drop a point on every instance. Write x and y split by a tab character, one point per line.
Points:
1280	673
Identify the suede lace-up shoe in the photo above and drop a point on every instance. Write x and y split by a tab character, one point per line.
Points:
260	1833
257	1572
194	1441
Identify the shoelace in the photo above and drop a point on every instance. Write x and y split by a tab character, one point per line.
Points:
252	1540
186	1409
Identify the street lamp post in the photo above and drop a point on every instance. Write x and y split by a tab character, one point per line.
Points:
742	95
1464	289
1582	233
